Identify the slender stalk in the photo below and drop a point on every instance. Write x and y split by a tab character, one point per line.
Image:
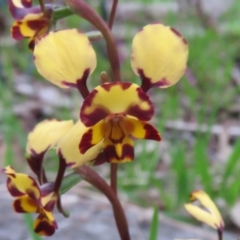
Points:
58	182
219	234
112	13
43	8
113	178
85	11
93	178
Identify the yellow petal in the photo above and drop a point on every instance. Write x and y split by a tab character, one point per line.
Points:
210	216
159	56
46	134
19	184
142	130
43	226
116	98
68	147
65	57
25	204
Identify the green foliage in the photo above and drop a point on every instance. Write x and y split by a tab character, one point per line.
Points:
153	234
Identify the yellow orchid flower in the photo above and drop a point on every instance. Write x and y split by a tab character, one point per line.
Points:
209	214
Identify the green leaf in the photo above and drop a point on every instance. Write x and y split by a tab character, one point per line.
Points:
69	181
154	225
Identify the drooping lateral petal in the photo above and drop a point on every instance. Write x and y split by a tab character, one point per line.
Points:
215	217
116	98
46	134
43	226
139	129
68	147
25	204
65	57
159	56
120	152
19	184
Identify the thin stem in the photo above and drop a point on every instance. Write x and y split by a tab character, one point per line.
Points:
93	178
112	14
43	8
81	8
114	168
219	234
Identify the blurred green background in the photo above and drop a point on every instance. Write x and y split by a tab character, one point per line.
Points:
198	118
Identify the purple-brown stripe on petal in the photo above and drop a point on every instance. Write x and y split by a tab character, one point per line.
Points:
151	133
38	24
86	141
179	35
44	227
16	33
147	84
13	190
20	209
111	155
136	111
50	205
94	117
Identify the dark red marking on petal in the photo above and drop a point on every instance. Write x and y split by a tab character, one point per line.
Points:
151	132
86	141
13	190
44	227
136	111
100	159
38	24
111	155
179	35
94	117
50	205
125	85
18	207
16	33
80	83
147	84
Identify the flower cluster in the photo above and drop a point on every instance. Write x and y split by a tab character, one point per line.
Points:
112	116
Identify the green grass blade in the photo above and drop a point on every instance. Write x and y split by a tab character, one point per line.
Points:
154	225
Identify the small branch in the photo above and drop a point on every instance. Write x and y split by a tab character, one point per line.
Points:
219	234
112	13
43	8
93	178
113	172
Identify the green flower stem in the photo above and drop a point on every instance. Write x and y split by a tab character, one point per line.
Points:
61	12
112	14
43	8
57	184
93	178
81	8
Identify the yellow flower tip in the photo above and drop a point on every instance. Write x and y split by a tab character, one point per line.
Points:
46	134
209	214
8	170
65	57
159	56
